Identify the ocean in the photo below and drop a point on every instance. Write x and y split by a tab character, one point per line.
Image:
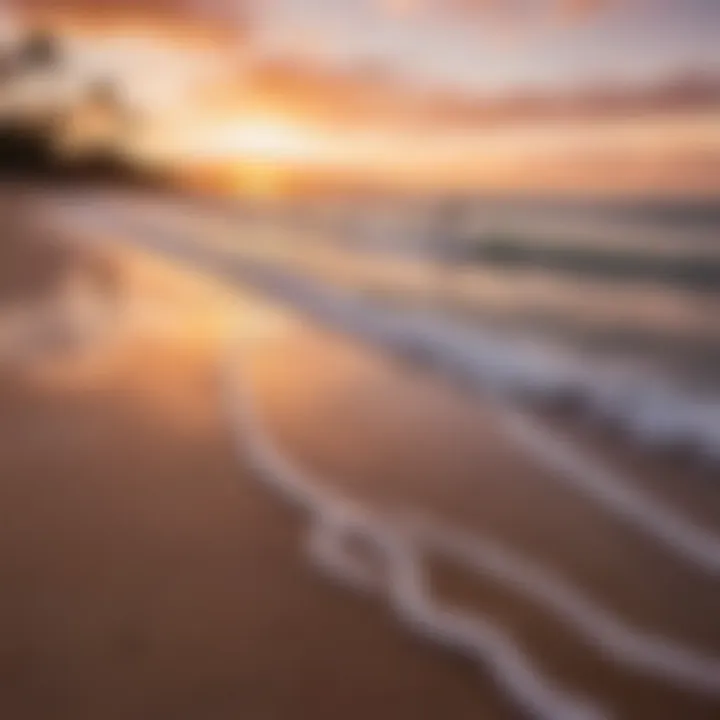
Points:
612	304
632	282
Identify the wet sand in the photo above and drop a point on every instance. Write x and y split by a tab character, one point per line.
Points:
147	572
393	436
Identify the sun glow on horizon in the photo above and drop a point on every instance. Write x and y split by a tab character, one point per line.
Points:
265	138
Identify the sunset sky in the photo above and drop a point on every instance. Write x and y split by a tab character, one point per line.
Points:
414	81
476	44
482	44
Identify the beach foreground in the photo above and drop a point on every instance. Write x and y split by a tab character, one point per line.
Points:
149	570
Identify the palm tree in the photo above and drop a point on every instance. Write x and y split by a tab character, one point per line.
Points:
39	51
83	135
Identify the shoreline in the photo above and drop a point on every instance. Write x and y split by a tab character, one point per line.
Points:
174	582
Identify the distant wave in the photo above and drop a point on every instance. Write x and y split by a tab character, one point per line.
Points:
508	252
649	407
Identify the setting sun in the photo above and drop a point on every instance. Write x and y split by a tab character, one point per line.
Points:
261	139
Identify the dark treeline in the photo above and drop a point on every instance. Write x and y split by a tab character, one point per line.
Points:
32	143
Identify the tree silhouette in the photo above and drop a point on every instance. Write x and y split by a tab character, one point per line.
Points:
40	51
27	140
34	144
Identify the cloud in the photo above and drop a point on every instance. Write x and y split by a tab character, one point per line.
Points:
580	10
400	8
517	11
211	11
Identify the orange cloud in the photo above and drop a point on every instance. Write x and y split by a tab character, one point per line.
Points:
400	8
508	11
580	10
171	19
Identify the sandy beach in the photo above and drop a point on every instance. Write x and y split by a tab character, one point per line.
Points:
148	571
